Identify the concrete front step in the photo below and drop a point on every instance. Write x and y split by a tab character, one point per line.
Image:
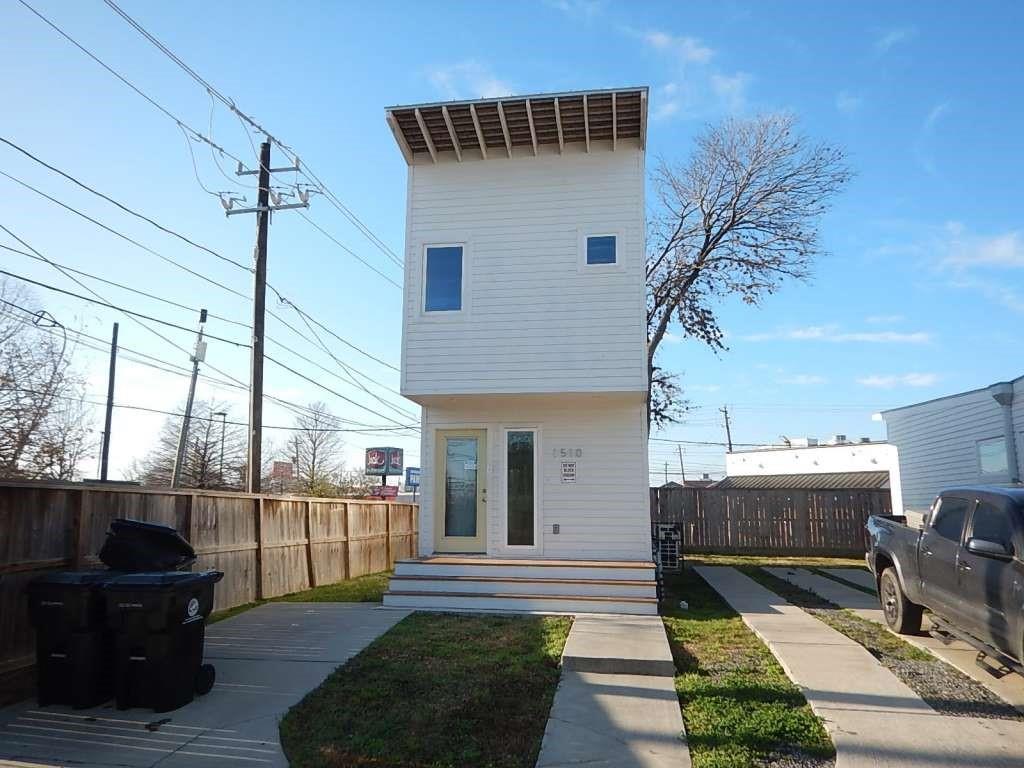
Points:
634	645
530	585
519	602
548	569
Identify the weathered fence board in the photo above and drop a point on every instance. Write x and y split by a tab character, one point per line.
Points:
782	522
265	545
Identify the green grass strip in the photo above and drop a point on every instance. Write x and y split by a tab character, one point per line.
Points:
739	707
436	691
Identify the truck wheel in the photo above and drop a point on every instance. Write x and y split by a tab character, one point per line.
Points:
901	615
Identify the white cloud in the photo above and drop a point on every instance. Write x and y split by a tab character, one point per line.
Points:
888	38
832	333
585	9
923	146
1002	250
731	90
685	47
468	79
888	381
803	379
884	319
848	103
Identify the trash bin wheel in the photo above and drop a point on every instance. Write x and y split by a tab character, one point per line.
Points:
205	678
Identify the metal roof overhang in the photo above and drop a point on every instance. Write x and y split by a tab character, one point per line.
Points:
497	127
824	481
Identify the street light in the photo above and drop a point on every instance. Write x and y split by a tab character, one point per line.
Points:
223	426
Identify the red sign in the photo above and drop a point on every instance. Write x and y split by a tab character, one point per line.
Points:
376	461
385	492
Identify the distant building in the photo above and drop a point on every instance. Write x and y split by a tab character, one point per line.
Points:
974	437
806	464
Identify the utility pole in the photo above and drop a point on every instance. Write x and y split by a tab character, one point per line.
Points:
105	450
728	432
262	210
682	471
197	357
666	472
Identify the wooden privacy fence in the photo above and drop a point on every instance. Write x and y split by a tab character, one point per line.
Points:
770	522
266	545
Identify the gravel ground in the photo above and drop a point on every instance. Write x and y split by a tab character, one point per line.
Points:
944	688
796	759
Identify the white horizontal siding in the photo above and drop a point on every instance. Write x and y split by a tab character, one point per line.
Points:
937	443
603	516
534	320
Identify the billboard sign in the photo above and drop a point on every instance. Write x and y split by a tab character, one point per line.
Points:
412	477
384	492
384	461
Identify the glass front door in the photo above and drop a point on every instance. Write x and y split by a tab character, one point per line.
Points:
461	483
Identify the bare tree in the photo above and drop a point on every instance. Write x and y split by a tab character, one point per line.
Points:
738	219
316	450
44	421
210	438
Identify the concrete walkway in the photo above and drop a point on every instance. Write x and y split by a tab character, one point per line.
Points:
860	576
873	718
616	704
1009	687
267	659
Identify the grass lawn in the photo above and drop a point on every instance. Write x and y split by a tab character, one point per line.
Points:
436	691
739	707
772	561
362	589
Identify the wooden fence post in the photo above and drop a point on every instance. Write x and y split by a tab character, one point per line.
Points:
348	541
258	520
309	546
79	530
387	531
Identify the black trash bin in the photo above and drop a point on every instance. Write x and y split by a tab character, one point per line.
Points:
159	624
74	652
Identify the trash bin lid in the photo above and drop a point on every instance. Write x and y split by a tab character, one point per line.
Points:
136	545
163	579
75	578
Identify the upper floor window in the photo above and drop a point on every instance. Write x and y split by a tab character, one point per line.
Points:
443	279
992	456
601	249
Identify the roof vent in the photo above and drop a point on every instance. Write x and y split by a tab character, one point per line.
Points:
865	439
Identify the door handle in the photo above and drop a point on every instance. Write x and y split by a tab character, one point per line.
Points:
926	552
964	567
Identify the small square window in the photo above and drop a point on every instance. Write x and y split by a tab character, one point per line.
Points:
601	249
992	456
443	292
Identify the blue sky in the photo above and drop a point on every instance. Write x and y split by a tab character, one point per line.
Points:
921	292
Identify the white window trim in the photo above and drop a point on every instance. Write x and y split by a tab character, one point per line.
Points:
444	313
977	458
538	482
620	244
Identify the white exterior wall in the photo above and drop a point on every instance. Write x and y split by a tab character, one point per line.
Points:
937	441
534	319
604	515
856	457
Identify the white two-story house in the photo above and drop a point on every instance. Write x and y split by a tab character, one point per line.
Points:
524	341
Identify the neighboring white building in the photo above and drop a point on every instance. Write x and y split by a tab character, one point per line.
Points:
970	438
524	341
850	466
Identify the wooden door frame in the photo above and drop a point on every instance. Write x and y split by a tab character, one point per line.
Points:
456	544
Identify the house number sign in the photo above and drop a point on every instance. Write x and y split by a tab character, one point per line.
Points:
567	453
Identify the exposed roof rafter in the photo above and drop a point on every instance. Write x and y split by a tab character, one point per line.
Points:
452	133
586	120
533	129
504	129
558	124
479	133
426	135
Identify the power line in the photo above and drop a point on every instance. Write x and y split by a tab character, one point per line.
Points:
181	237
704	442
108	305
345	248
181	371
230	104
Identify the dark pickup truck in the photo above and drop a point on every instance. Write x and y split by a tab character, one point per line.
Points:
964	565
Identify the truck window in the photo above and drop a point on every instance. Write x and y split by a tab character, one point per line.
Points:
948	521
991	524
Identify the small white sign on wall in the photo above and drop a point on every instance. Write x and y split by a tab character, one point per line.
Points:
568	472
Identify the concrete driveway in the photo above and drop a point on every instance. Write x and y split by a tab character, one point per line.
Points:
267	659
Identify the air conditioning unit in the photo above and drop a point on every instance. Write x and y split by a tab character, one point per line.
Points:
839	439
667	546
